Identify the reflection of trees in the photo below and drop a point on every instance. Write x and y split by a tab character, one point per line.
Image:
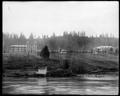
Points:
43	82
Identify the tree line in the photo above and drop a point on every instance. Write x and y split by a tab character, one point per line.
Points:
69	41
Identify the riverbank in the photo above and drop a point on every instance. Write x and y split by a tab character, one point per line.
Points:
17	66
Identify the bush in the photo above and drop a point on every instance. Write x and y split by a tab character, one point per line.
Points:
45	52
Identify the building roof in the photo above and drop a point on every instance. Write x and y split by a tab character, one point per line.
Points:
104	47
18	46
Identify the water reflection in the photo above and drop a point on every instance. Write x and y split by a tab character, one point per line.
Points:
60	86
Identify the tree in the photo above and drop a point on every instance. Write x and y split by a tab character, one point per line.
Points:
45	52
53	35
31	36
22	39
52	43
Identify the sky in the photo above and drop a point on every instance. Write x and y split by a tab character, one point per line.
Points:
46	18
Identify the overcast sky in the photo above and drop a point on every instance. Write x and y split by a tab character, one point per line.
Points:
47	17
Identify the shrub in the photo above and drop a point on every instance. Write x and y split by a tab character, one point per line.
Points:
45	52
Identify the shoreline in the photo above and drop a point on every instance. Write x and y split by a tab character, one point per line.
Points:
82	64
75	75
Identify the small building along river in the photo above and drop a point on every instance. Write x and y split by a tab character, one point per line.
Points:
105	49
28	49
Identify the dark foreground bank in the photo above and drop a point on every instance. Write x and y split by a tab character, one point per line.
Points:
16	66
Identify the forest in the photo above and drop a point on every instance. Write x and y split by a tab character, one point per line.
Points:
69	41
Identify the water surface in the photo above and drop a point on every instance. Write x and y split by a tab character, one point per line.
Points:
101	85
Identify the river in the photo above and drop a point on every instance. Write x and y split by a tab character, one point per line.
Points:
90	85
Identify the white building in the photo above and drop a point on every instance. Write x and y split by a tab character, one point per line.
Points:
32	48
104	49
28	49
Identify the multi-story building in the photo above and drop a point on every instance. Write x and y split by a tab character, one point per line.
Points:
18	49
28	49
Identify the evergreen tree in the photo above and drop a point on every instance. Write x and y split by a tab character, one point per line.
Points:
45	52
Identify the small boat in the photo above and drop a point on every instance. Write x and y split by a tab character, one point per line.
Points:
41	72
